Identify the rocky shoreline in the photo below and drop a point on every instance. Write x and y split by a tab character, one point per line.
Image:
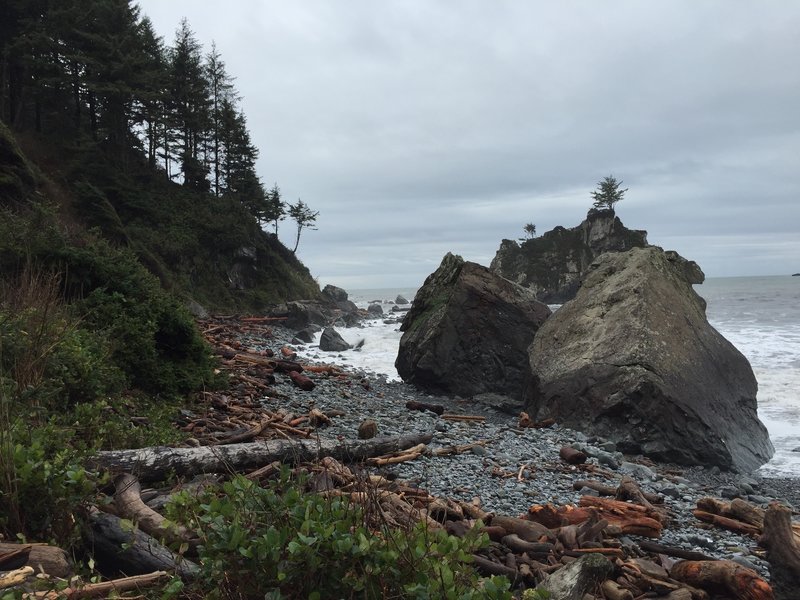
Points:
516	467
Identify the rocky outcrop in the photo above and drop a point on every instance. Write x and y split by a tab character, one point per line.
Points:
554	264
633	358
468	331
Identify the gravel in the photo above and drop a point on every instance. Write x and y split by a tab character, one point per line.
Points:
520	467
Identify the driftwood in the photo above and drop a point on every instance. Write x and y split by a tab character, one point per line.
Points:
435	408
127	549
470	418
726	523
15	577
607	490
649	546
41	557
105	589
301	381
156	463
571	456
129	505
783	552
725	577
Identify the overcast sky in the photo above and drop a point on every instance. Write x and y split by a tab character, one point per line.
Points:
421	127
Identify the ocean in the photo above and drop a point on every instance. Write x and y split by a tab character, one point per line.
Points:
758	315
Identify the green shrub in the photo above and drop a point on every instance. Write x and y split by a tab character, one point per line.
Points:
278	542
42	486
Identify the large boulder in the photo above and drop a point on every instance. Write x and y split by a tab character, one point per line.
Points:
332	341
468	331
633	358
554	264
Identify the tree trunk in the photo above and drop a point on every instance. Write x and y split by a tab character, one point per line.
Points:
723	577
156	463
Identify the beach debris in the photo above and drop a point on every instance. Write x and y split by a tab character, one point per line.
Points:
434	408
367	429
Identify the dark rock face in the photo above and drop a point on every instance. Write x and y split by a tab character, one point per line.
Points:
633	358
331	341
468	331
554	264
334	294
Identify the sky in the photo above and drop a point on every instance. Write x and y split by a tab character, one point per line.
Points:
418	128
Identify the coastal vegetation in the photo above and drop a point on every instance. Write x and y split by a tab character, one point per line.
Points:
129	191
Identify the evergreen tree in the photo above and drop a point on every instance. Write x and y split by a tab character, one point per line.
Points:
190	104
276	207
220	88
151	99
608	193
304	217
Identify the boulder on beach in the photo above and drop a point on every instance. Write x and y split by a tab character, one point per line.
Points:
468	331
331	341
375	310
400	300
334	294
633	358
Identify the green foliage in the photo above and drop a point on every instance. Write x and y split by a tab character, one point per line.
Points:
42	483
278	542
608	193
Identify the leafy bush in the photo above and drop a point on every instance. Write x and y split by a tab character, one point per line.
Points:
41	487
278	542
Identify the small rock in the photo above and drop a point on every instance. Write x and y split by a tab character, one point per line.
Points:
638	471
400	300
375	310
367	430
730	492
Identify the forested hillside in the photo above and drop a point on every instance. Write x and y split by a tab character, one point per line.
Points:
144	143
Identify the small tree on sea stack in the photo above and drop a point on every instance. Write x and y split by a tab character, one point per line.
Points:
530	232
608	193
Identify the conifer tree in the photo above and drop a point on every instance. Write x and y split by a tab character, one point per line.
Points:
189	103
608	193
220	88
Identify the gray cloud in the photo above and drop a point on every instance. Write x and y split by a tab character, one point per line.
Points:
417	128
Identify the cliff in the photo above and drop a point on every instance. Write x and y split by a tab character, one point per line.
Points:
554	264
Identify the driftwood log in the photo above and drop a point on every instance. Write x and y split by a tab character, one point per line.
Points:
117	547
156	463
129	505
783	552
41	557
723	577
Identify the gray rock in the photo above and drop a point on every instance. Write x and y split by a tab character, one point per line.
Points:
375	310
729	491
306	336
554	264
468	331
334	294
331	341
632	357
400	300
638	471
196	309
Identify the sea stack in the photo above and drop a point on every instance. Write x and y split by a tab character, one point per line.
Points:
633	358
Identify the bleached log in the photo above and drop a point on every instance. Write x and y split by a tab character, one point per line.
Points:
156	463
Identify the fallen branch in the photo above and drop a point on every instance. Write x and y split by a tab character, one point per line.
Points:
49	559
454	417
104	589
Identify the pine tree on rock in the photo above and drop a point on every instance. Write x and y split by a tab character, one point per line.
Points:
608	193
304	217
